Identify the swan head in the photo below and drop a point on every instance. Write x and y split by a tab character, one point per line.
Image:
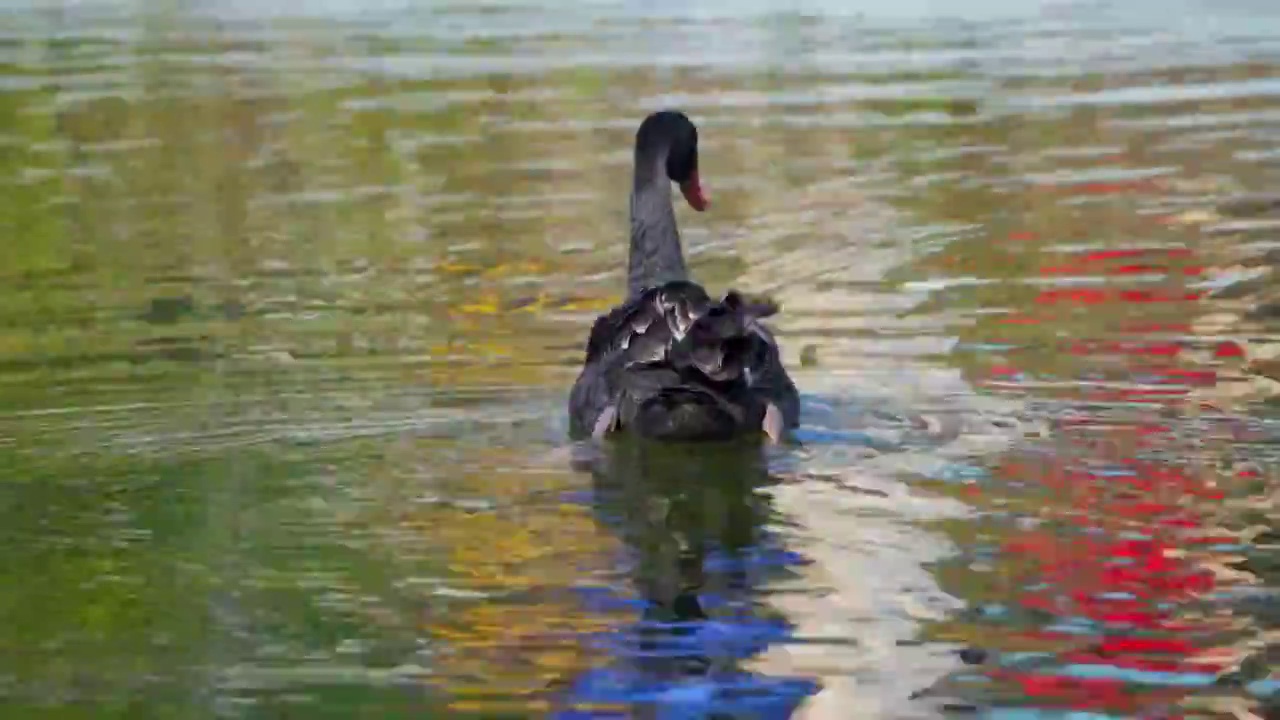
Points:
671	137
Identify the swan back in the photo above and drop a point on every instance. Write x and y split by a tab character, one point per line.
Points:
682	365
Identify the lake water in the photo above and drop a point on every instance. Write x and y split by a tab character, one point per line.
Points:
292	295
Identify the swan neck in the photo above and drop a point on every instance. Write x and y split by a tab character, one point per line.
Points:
655	256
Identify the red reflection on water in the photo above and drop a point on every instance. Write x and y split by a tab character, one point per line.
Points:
1088	269
1113	559
1020	320
1093	296
1100	188
1180	376
1142	261
1228	350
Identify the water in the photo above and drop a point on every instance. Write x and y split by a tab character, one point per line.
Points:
294	292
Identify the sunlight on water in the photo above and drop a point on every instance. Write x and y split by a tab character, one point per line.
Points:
295	293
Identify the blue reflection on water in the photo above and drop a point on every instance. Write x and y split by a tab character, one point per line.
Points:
697	548
737	694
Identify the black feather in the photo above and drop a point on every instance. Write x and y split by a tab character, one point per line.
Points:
679	365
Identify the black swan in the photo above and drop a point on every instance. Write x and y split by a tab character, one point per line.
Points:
670	363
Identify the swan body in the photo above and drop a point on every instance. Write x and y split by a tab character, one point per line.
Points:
670	362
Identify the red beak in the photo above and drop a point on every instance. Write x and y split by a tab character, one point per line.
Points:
692	191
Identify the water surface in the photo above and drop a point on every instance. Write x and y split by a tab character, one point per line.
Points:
293	295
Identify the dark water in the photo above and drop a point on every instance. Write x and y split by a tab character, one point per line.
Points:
292	295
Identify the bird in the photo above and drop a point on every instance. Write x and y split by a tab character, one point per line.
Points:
670	362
